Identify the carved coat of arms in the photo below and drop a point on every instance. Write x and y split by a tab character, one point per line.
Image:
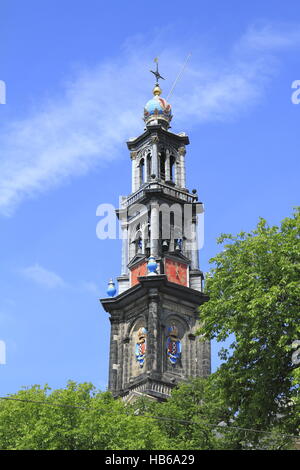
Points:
173	345
141	346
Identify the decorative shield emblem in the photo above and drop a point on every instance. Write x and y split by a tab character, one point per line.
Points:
173	345
141	346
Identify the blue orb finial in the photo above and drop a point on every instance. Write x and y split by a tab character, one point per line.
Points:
152	266
111	289
157	110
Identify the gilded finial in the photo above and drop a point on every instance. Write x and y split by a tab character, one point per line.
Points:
157	90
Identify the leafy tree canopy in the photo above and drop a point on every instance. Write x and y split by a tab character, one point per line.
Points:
77	417
254	290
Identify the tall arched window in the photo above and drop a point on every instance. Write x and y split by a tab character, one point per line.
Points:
142	171
148	162
138	242
172	168
162	170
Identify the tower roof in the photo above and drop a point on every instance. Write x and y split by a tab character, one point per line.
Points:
157	110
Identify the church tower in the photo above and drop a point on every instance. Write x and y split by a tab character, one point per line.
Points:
154	317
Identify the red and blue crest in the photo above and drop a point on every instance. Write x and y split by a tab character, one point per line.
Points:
173	345
140	353
141	346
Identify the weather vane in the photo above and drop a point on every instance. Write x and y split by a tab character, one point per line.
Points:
156	73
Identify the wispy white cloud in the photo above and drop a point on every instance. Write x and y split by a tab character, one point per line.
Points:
100	108
51	280
266	37
90	287
43	276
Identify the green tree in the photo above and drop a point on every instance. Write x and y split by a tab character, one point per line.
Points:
77	417
254	292
189	418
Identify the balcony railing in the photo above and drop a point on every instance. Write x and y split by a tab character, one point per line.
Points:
163	188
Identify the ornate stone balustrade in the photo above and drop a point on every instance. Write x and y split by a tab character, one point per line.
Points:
163	188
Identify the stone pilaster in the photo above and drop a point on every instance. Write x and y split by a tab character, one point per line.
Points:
153	331
168	165
154	157
181	153
194	244
154	228
134	172
176	172
113	355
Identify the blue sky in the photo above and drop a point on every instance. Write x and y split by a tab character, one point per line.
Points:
77	78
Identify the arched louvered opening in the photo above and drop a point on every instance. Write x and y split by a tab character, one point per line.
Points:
142	171
162	169
172	168
138	242
148	163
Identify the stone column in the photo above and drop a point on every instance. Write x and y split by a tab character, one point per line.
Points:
168	166
146	176
154	156
154	228
120	381
194	244
182	178
153	332
113	356
124	229
177	170
134	172
148	159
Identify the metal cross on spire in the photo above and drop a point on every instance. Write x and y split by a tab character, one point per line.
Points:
156	73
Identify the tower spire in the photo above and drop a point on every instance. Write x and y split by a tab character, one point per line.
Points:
157	110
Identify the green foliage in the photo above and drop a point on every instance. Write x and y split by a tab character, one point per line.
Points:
86	420
188	418
254	290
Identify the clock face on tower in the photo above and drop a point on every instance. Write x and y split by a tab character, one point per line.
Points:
176	271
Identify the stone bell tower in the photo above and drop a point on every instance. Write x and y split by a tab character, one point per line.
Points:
154	317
